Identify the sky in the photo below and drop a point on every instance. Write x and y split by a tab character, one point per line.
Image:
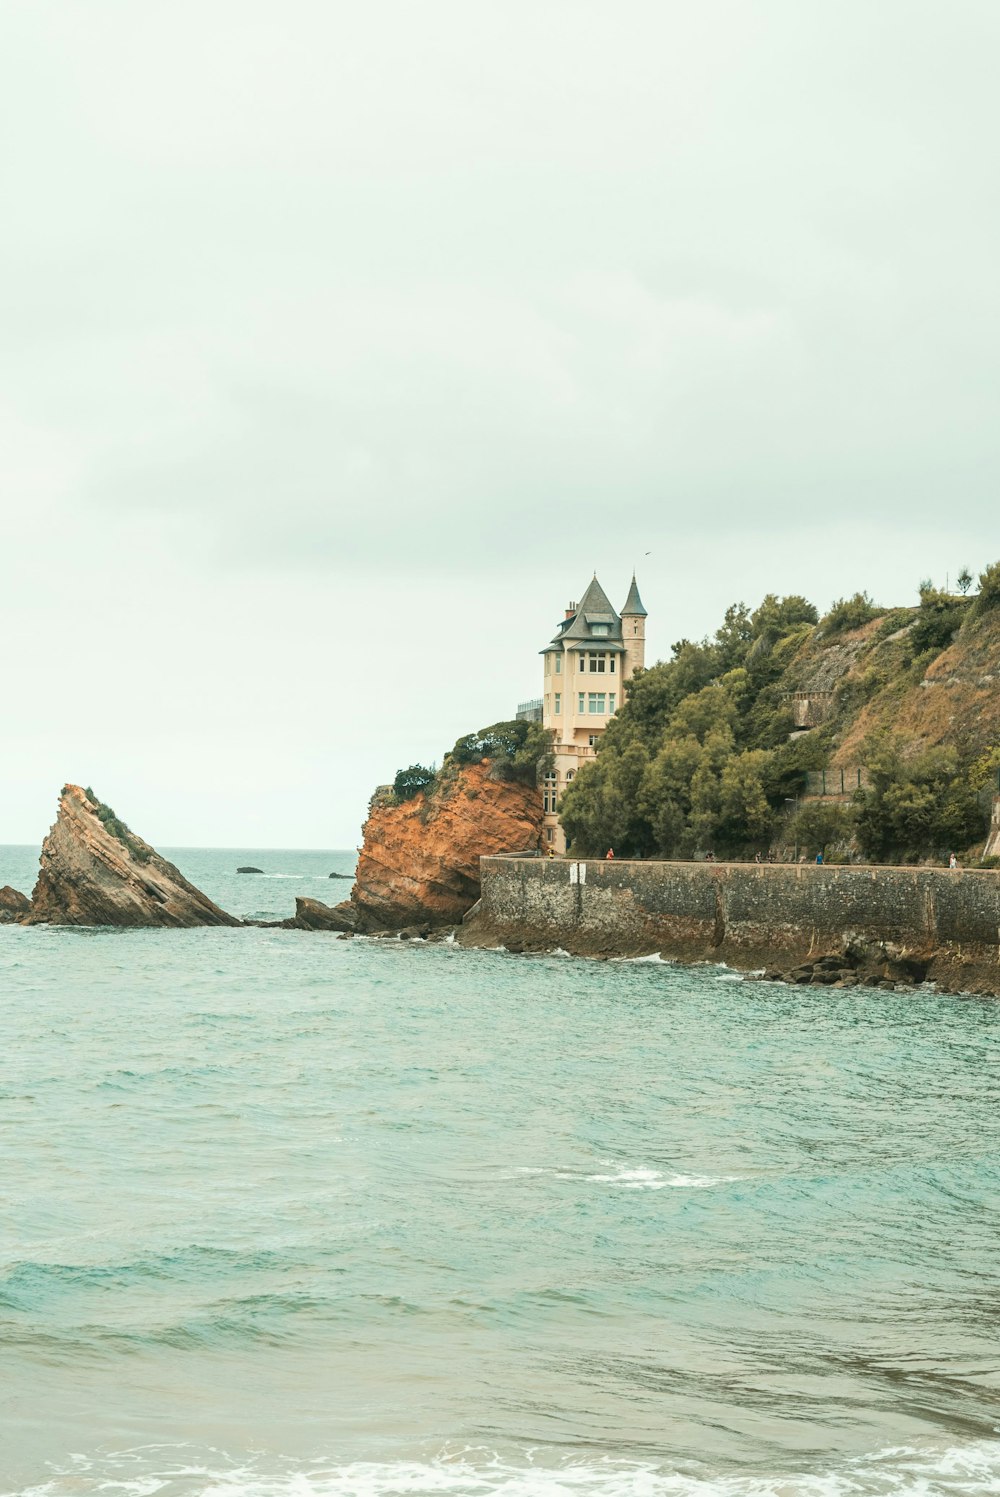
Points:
341	344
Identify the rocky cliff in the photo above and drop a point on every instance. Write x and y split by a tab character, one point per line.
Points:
420	858
95	871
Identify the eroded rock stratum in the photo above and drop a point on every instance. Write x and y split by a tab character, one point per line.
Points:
419	861
96	871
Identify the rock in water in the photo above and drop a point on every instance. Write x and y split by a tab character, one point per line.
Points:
95	871
13	905
310	914
249	870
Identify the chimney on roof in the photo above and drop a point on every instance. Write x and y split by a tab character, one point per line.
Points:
570	610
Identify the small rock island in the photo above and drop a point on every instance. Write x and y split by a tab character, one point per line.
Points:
96	871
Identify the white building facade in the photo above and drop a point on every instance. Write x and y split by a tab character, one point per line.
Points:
586	669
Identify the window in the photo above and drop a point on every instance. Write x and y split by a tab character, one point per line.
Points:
600	631
558	665
550	834
550	777
611	664
611	702
596	702
558	702
569	775
595	662
581	701
592	740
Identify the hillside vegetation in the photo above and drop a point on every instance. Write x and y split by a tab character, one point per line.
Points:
705	753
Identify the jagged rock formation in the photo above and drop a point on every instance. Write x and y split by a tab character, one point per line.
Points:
419	861
95	871
13	905
311	914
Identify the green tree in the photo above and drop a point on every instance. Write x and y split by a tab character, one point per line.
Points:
517	750
938	620
916	806
850	613
964	580
988	596
744	813
820	824
410	782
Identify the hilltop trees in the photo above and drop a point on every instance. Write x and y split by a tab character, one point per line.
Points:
703	755
698	756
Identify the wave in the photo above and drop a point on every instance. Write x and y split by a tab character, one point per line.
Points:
632	1177
907	1471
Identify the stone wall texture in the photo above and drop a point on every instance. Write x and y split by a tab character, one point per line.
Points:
911	923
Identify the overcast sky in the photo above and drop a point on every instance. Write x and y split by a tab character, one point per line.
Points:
341	343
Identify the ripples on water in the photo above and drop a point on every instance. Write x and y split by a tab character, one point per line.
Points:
289	1215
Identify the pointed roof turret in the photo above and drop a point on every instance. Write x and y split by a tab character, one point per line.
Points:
594	619
633	603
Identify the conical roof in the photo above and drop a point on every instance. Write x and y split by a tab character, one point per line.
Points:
633	603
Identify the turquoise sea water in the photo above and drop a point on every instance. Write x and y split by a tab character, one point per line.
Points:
287	1216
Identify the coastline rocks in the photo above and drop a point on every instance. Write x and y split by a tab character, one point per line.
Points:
311	914
249	870
419	863
95	871
348	876
13	905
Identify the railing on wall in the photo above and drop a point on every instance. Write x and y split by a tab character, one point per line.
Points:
836	781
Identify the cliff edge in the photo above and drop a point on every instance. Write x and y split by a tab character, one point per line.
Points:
419	861
95	871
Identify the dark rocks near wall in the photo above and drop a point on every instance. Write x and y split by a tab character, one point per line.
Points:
311	914
14	905
805	925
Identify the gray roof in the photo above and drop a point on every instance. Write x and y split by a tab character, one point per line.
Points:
593	608
633	603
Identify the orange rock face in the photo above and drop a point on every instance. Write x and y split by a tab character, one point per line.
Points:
420	860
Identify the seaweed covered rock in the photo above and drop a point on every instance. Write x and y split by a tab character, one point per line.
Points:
96	871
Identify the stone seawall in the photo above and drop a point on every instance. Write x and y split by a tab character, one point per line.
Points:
910	924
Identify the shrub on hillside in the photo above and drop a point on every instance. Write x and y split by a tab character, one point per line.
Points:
410	782
850	613
988	596
938	620
517	750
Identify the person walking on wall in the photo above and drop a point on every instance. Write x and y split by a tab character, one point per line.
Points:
819	857
952	860
610	853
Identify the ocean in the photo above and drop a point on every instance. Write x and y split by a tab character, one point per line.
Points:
289	1216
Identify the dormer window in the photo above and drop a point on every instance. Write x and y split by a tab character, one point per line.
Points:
600	631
